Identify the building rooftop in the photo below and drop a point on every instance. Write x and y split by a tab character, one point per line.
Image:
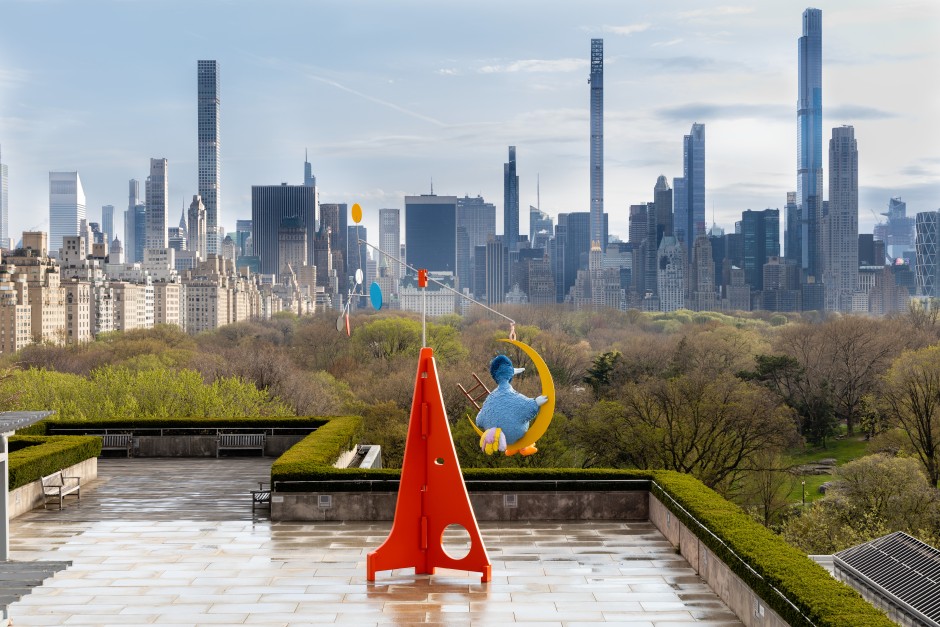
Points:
175	541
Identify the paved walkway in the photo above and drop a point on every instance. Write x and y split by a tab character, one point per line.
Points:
138	559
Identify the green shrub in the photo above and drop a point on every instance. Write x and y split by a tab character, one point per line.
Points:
44	455
822	599
318	451
51	425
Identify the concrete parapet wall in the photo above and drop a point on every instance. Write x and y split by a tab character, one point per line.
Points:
487	506
736	594
29	496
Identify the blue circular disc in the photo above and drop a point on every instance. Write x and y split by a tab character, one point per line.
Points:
375	295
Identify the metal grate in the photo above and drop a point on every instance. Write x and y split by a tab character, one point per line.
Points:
902	567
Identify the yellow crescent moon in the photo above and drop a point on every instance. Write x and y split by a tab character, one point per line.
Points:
540	425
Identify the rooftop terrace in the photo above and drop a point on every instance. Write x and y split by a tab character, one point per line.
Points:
175	542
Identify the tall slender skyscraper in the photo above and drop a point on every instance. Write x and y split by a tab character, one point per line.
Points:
107	221
66	208
841	233
689	195
157	201
390	240
4	204
309	179
597	141
809	177
207	86
511	202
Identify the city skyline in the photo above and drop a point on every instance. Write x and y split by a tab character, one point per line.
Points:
380	126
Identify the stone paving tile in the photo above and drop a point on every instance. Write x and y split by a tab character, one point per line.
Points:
183	567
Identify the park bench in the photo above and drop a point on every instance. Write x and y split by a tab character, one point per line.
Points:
240	442
262	496
58	486
117	442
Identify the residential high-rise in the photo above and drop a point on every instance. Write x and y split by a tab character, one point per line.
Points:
4	204
198	229
671	274
270	204
334	216
689	192
511	202
841	233
107	221
596	81
809	181
390	242
662	199
66	208
207	88
792	243
431	232
476	225
761	233
927	247
497	259
157	192
130	226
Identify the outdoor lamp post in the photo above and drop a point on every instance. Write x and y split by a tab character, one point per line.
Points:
803	482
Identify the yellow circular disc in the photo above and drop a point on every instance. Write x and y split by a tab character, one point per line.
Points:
357	213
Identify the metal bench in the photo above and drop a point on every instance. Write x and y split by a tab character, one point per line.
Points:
59	486
262	496
117	442
240	442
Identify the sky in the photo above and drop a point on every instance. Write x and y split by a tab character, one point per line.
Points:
390	96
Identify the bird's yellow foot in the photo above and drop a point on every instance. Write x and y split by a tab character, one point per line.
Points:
528	450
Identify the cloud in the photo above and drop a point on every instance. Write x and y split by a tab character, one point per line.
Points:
626	29
858	112
715	12
447	71
9	76
685	63
705	112
537	65
671	42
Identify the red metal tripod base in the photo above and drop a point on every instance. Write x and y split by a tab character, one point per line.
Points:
432	495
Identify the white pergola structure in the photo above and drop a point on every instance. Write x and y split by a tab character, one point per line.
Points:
10	421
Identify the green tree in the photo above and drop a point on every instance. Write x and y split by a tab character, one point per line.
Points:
911	399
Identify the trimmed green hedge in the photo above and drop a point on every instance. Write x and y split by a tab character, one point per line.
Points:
44	455
819	597
319	450
266	422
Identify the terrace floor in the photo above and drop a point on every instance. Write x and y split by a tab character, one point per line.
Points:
175	542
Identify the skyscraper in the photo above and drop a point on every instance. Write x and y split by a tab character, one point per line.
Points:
511	202
841	233
107	221
792	243
334	216
157	193
66	208
431	232
207	87
596	81
689	193
476	225
809	179
309	179
662	199
270	204
761	233
4	204
130	221
198	230
927	247
390	241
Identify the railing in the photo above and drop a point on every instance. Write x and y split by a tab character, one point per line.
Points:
176	431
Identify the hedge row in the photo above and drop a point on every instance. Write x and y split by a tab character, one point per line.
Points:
262	422
819	597
45	455
319	450
822	599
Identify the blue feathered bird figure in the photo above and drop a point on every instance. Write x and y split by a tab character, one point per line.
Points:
506	414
